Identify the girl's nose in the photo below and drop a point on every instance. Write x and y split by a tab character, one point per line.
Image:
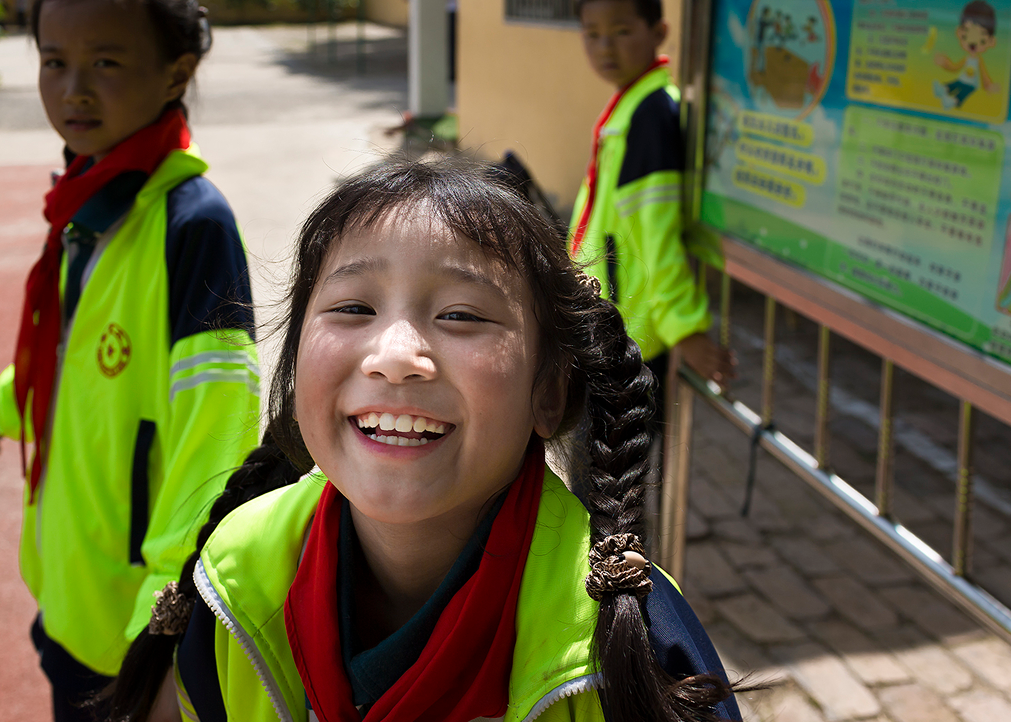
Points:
400	354
77	89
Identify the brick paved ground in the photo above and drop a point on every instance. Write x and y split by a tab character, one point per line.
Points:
799	595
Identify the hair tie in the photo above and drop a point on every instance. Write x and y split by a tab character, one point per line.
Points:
171	611
592	283
618	564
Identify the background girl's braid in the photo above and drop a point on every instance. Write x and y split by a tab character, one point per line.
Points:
133	693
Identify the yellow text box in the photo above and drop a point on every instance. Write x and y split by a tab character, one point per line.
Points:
770	186
772	126
791	162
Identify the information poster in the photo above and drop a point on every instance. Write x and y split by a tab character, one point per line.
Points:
866	140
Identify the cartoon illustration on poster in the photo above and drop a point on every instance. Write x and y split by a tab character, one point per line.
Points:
945	58
791	53
866	141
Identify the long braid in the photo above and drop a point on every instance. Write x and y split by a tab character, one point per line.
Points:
608	372
132	695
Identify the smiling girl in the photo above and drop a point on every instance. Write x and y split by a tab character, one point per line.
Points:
431	567
134	374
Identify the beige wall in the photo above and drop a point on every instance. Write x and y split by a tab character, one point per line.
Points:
527	87
387	12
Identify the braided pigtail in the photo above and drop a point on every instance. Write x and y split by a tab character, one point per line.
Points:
132	694
619	404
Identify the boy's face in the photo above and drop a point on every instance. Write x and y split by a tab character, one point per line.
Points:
974	38
618	42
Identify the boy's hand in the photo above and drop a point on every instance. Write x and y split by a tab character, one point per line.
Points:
712	362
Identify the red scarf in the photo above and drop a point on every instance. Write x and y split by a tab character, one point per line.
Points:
591	170
35	357
463	671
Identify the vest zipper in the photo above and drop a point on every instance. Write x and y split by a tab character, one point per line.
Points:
579	685
246	643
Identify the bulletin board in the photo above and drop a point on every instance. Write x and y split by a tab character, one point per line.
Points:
867	141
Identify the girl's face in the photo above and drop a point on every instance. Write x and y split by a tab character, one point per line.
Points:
102	76
414	384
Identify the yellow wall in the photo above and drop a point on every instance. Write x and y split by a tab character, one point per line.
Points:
387	12
527	87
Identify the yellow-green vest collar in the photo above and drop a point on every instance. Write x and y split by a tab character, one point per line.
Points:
555	618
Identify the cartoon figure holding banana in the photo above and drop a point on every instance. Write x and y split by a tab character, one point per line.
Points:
976	35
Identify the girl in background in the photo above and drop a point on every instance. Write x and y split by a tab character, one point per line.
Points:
431	567
134	377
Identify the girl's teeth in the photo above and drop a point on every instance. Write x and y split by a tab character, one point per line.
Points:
404	423
398	440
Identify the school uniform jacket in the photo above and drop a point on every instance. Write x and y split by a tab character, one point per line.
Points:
250	561
633	241
156	400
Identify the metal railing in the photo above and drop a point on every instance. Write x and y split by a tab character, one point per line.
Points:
972	378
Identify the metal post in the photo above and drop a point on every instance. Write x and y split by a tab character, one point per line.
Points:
886	443
769	362
360	39
821	435
961	555
725	310
677	445
331	31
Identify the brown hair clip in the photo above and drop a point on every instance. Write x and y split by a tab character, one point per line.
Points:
618	565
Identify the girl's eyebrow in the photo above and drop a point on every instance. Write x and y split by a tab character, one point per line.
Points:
356	268
466	275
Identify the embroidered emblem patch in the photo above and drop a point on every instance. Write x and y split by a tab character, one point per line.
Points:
113	350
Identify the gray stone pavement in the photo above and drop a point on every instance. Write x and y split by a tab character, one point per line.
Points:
795	594
798	594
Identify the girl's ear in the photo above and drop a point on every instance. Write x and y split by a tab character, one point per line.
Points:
180	73
548	403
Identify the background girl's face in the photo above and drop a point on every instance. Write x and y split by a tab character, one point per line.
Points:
102	76
414	386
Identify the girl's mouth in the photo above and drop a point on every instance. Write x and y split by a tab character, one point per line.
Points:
82	124
402	429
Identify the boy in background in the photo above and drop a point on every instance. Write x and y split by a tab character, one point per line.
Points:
627	222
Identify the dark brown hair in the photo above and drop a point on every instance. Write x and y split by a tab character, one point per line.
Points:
982	14
649	10
582	337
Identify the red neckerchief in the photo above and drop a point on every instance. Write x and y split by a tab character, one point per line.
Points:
591	170
35	356
463	671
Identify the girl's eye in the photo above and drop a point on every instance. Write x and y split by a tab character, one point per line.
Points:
106	63
461	316
52	64
355	309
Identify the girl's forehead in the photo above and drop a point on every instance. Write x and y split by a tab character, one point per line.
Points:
100	24
416	232
417	245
